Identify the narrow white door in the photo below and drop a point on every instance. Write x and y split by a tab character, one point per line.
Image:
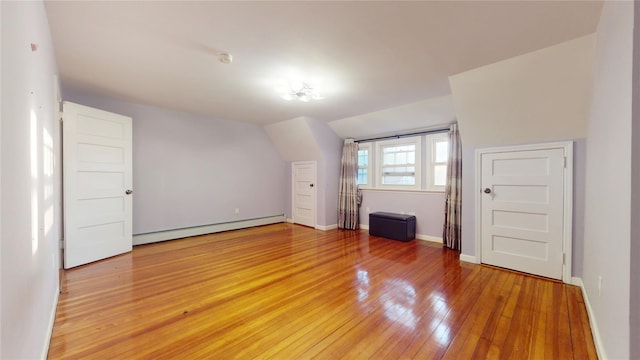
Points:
522	211
97	148
304	193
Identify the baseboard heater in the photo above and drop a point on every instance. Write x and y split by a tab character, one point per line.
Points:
158	236
392	226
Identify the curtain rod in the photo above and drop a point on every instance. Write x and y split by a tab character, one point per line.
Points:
404	135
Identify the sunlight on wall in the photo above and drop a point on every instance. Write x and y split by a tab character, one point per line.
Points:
34	182
48	163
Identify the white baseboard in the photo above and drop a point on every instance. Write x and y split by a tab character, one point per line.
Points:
328	227
429	238
469	258
418	236
140	239
289	220
52	320
597	339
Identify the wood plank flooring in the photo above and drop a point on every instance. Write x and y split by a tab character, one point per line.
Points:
285	291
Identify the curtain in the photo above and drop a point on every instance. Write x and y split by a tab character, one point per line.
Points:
349	195
451	234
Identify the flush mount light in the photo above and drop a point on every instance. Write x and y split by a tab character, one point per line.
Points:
302	91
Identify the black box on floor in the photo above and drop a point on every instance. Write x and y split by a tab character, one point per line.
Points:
392	226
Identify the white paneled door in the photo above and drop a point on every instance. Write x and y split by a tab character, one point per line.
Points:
304	193
97	153
522	210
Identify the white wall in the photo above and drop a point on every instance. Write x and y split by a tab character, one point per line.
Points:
608	214
634	310
331	146
303	139
537	97
29	231
428	207
424	114
190	170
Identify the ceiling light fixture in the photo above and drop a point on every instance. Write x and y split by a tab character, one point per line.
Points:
302	91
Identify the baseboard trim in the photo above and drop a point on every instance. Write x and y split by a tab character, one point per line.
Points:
469	259
328	227
289	220
52	320
148	238
429	238
418	236
597	339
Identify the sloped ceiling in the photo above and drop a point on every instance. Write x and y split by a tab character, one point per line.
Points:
367	56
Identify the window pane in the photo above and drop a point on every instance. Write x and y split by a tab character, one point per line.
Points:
389	159
362	177
398	165
440	175
363	158
442	151
398	180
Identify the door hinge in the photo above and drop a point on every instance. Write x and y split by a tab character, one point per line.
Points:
564	258
564	162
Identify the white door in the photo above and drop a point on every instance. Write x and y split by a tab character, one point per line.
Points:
97	181
304	193
522	217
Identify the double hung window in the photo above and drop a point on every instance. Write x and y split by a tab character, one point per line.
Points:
406	163
399	163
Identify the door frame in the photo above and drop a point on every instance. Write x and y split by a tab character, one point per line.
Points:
567	226
315	193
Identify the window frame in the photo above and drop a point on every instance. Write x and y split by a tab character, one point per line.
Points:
430	160
380	145
369	167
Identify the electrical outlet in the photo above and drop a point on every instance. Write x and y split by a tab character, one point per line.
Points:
599	285
237	210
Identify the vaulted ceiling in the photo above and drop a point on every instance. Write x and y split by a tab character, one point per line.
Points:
364	56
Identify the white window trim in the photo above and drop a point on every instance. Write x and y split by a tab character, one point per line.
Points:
430	142
417	140
368	147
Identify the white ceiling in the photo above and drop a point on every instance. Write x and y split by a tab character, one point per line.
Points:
368	56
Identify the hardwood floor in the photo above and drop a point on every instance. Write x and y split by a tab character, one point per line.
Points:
289	292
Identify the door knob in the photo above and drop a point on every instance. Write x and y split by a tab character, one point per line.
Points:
487	191
129	192
310	185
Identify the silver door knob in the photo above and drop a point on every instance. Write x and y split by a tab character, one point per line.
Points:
487	191
129	192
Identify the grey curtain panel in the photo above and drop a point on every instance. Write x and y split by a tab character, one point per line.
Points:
451	234
349	195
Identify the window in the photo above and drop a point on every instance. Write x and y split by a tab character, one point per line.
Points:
364	161
406	163
398	164
437	158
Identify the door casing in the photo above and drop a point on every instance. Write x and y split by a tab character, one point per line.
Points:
314	190
567	233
